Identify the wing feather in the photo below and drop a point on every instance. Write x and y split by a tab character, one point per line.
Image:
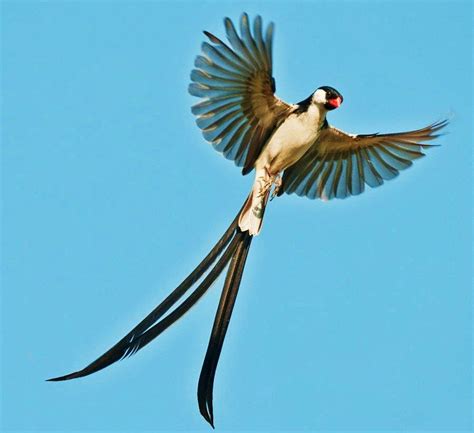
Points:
339	164
236	85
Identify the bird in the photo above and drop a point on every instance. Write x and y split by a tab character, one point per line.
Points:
291	148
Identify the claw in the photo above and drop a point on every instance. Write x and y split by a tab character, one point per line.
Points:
265	183
277	181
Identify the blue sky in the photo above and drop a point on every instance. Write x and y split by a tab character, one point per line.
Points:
352	314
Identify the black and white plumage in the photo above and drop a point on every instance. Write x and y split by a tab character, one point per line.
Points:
241	117
291	147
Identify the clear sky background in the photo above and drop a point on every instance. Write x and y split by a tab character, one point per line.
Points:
352	314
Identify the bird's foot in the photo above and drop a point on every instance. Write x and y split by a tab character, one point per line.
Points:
265	183
277	182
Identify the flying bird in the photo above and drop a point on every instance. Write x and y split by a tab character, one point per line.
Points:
291	148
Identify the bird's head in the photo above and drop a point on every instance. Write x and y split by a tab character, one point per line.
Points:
327	96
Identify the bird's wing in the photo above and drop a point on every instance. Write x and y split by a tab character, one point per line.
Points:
239	110
339	164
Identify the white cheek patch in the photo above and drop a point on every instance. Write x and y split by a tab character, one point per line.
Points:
319	96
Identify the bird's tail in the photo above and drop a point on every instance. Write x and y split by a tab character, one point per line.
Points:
221	322
232	247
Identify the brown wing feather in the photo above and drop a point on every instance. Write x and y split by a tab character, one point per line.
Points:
340	164
236	84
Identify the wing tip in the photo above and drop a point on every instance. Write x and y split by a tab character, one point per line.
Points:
211	37
228	24
439	124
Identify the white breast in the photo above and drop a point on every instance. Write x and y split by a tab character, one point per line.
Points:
291	140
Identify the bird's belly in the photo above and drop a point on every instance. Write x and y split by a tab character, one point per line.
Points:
287	145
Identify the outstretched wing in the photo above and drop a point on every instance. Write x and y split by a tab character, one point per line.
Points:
239	110
339	164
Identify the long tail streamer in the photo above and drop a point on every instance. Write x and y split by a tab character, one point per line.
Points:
232	247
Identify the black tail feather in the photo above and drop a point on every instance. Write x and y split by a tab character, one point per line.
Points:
221	323
233	247
145	332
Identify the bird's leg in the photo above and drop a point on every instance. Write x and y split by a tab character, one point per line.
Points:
277	181
265	183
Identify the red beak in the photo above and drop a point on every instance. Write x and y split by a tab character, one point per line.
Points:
336	102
